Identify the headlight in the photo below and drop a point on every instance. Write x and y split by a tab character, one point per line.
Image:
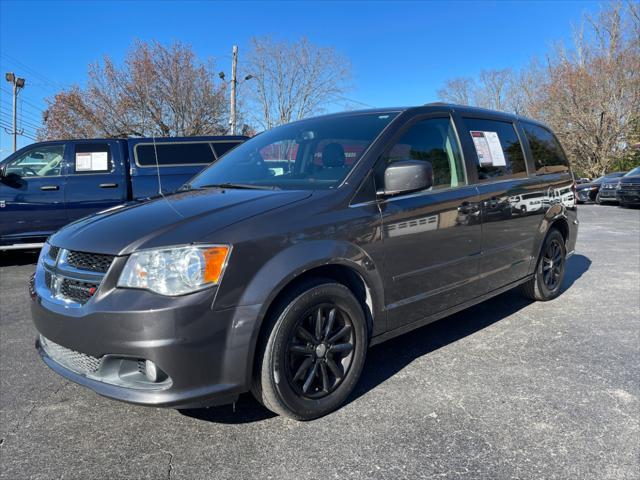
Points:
175	270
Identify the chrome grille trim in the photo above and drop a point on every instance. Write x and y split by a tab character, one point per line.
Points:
81	363
59	281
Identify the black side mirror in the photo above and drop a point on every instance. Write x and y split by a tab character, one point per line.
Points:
407	176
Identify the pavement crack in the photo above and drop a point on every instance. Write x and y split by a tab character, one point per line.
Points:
170	466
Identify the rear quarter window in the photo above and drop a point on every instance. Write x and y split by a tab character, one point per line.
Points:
174	154
490	137
547	153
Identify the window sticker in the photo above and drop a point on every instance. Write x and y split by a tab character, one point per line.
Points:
488	148
92	162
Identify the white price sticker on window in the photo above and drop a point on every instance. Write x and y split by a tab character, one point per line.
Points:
92	162
488	148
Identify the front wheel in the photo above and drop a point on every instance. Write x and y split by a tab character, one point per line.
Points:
547	280
312	355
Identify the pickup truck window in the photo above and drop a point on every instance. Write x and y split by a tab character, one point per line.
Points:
44	161
513	165
431	140
547	153
92	158
286	157
174	154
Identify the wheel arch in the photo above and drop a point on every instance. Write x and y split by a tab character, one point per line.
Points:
342	262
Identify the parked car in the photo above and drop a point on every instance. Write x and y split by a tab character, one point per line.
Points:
276	279
628	188
49	184
588	192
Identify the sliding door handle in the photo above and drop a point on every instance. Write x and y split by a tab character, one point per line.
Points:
50	187
108	185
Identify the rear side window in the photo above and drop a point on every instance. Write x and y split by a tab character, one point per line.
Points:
547	153
498	149
174	154
92	158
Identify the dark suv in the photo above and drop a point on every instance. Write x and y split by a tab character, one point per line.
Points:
276	268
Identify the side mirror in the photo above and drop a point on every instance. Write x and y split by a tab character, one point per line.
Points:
407	176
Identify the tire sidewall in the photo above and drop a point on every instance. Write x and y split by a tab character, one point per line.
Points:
543	291
325	293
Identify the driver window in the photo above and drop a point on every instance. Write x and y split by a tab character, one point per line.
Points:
432	140
45	161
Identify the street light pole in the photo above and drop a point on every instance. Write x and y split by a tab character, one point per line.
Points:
17	84
234	83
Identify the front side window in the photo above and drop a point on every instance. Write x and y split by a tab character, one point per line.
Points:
498	149
309	154
547	153
45	161
432	140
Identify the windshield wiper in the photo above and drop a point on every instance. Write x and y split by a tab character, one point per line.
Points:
244	186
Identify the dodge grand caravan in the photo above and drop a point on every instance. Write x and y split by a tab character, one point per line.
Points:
275	268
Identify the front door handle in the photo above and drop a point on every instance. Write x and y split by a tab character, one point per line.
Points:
108	185
50	187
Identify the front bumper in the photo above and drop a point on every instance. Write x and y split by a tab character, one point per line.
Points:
607	195
630	196
206	354
584	195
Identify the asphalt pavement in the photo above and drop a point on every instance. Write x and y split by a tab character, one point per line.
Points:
506	389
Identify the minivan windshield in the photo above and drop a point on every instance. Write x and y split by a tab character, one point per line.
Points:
309	154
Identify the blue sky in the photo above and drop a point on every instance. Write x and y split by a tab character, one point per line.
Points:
401	52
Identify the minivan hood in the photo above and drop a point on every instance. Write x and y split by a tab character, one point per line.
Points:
177	219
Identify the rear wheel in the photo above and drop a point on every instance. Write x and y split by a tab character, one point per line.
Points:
547	280
313	352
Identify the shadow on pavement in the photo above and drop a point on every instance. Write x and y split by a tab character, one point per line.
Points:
14	258
387	359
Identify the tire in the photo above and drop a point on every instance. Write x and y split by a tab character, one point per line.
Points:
308	364
598	201
550	269
623	204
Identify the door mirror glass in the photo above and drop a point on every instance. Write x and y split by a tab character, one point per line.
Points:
407	176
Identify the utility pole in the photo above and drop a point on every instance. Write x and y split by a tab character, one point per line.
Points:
234	86
17	84
234	83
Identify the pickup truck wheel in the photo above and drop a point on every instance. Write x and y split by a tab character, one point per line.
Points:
547	280
314	352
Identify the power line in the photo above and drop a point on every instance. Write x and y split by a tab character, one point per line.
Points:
23	99
33	71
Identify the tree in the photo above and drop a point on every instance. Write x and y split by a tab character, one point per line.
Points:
588	92
162	91
293	80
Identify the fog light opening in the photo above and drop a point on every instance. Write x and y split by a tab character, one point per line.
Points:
151	371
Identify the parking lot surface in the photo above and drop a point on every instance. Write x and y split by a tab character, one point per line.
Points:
506	389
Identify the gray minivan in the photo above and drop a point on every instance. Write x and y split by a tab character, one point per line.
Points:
276	267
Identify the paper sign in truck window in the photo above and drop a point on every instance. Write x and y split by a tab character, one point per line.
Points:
488	148
92	162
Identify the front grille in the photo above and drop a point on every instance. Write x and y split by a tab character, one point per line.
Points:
77	291
630	186
48	279
76	361
53	252
94	262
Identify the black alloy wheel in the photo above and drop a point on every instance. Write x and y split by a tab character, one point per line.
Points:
312	350
553	264
320	351
546	282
